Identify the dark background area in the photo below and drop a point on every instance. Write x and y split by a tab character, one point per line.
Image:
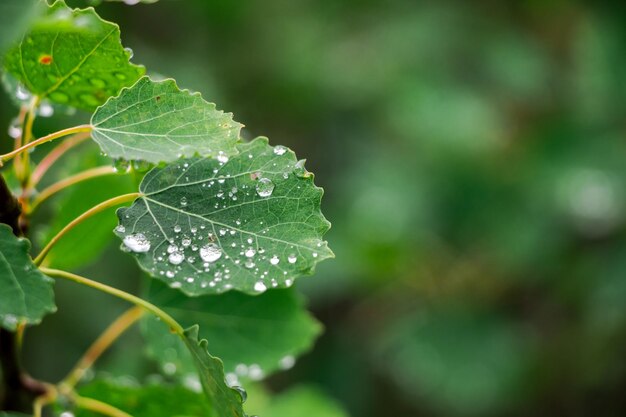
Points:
473	155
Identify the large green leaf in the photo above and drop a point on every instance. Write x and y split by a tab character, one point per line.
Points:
252	335
302	401
146	401
249	224
156	121
226	401
72	57
26	294
87	240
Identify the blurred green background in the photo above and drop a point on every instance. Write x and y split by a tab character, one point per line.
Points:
473	155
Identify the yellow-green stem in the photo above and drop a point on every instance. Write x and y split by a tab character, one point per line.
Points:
27	134
99	407
43	400
54	155
140	302
69	181
61	133
106	339
92	211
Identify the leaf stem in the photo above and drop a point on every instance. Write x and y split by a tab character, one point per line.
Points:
99	407
18	141
166	318
69	181
54	155
61	133
43	400
106	339
92	211
27	134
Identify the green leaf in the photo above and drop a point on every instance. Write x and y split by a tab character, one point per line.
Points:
88	239
248	224
155	121
146	401
72	57
302	401
26	294
226	401
253	335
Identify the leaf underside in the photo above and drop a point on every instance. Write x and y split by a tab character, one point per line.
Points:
253	335
72	57
26	294
155	121
250	224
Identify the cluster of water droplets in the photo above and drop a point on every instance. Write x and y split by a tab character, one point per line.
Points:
197	254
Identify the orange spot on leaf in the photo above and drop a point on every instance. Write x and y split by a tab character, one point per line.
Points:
45	59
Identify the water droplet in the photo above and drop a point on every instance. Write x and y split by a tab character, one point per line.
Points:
210	252
265	187
129	51
131	2
231	379
169	368
255	372
141	166
183	201
280	150
66	414
250	253
120	228
260	287
137	243
241	369
177	229
274	260
45	109
287	362
242	392
121	165
186	242
192	382
249	264
222	158
21	93
292	259
300	170
176	258
15	129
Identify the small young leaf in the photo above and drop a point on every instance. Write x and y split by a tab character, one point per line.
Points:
155	121
226	401
72	57
206	226
146	401
26	294
253	335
